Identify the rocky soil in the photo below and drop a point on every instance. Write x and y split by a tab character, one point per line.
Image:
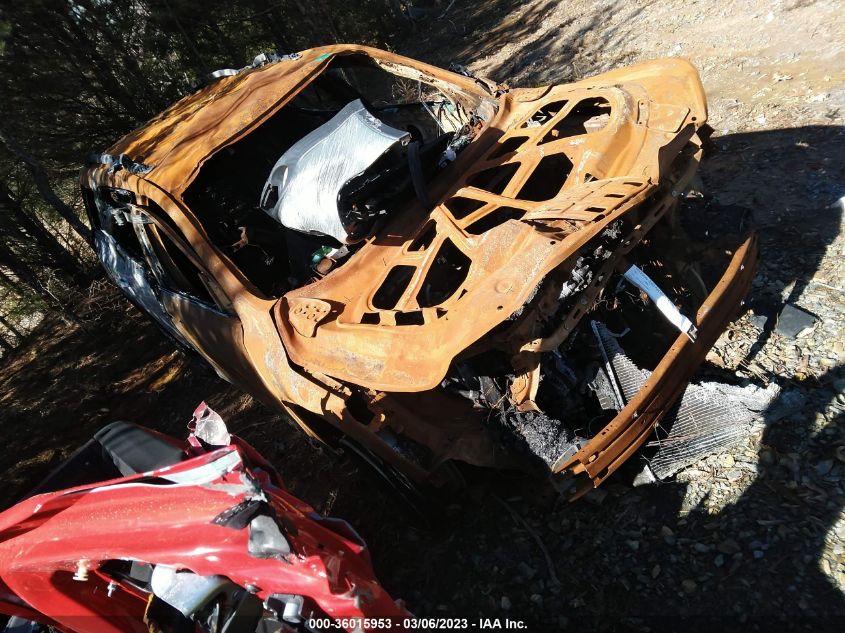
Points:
752	539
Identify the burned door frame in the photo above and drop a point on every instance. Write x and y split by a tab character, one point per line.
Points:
208	323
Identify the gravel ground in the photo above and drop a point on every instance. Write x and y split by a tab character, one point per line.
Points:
752	539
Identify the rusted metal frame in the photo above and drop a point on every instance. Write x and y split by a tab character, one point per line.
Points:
573	241
443	81
527	166
529	157
541	308
523	388
536	134
159	251
307	76
474	193
451	435
476	215
419	275
330	386
445	228
526	361
528	160
572	143
230	278
361	433
259	103
300	422
409	423
589	294
596	196
629	430
408	301
533	150
422	261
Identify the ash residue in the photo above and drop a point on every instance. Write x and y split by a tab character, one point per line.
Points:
542	436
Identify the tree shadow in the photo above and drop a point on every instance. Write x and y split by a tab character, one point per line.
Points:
775	540
793	180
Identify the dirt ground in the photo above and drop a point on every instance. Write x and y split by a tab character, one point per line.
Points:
749	540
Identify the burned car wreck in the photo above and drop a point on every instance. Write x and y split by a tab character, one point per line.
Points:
427	267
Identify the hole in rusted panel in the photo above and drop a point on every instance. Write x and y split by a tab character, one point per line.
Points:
447	273
371	318
425	238
462	207
410	318
590	115
494	219
547	179
494	179
394	285
544	114
508	145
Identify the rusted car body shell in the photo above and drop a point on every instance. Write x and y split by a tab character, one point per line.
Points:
149	518
309	347
509	260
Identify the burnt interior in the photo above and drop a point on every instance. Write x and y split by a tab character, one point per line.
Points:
225	194
575	399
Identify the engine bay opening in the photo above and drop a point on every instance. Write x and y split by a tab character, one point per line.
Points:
296	197
578	386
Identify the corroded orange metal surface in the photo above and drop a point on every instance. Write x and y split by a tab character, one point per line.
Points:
538	185
613	170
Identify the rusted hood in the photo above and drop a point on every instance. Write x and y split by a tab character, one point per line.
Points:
552	170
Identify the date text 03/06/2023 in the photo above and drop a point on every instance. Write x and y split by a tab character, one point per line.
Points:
420	624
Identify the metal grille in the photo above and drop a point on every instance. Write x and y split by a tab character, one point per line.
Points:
708	419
